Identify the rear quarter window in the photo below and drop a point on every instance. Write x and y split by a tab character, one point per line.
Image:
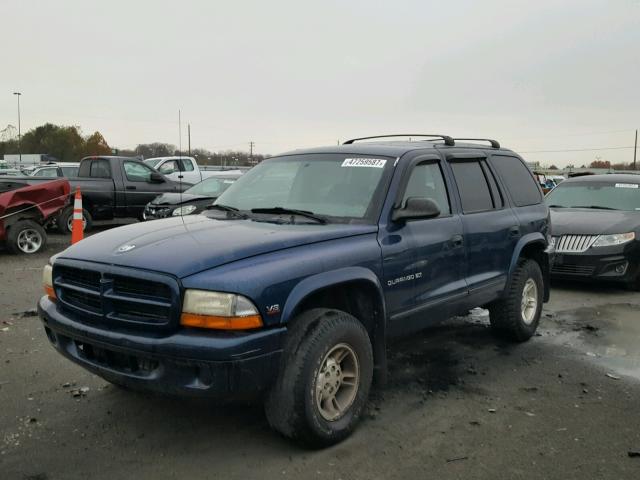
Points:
518	180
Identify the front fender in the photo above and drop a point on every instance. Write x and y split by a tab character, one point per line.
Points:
322	280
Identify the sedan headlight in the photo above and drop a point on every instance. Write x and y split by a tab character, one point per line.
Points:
218	310
186	210
47	281
614	239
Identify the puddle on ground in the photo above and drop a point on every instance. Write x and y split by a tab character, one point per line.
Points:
608	335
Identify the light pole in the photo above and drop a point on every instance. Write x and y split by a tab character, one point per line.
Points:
17	94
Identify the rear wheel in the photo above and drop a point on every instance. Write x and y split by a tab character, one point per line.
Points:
516	316
26	236
324	378
65	220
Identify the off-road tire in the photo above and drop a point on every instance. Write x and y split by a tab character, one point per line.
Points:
506	314
67	213
290	405
13	235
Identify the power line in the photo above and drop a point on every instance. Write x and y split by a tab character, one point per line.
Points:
579	150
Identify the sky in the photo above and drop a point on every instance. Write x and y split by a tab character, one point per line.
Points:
541	76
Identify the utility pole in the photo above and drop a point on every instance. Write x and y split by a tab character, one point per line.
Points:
251	144
189	136
17	94
635	151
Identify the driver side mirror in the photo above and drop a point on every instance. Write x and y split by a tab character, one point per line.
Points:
156	178
416	207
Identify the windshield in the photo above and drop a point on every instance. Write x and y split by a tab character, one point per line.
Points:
333	185
152	162
211	187
606	195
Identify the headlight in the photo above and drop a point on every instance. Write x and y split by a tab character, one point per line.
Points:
47	281
186	210
225	311
615	239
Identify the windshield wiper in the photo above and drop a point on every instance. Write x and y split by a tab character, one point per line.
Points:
282	210
231	211
597	207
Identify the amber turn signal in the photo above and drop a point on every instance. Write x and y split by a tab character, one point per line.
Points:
221	323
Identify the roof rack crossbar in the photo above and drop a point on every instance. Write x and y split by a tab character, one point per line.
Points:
447	140
494	143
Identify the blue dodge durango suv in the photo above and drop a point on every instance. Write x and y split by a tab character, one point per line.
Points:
292	282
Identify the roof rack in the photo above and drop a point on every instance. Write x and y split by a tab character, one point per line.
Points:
494	143
447	140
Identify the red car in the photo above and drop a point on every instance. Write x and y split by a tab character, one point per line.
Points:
25	209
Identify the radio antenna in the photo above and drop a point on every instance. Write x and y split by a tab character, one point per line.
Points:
180	159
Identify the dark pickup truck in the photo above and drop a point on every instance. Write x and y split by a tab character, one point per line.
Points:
293	281
112	187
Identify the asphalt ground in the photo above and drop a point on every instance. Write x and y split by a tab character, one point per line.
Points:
459	404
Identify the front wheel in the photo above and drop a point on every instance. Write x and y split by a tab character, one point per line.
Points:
516	316
324	378
26	236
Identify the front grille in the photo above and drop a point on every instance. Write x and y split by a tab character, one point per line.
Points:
570	269
574	243
116	295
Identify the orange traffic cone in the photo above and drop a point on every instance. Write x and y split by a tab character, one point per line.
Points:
77	227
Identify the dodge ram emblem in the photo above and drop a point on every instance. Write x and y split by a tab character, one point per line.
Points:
125	248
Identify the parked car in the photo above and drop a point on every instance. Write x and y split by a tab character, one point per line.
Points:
113	187
10	172
183	169
63	169
25	209
293	281
191	201
596	228
546	183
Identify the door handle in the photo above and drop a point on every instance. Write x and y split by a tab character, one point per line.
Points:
131	187
457	240
180	176
514	231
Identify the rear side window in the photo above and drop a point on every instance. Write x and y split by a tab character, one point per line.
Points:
518	180
100	169
187	165
473	187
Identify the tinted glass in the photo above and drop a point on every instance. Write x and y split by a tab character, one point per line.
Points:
472	185
518	180
342	186
137	172
495	191
426	181
604	195
100	169
187	165
70	171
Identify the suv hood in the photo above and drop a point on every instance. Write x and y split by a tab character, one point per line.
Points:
587	221
183	246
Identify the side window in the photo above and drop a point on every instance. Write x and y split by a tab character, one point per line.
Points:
70	171
100	169
137	172
46	172
169	167
498	201
518	179
473	187
187	164
426	180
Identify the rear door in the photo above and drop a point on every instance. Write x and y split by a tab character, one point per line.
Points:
491	230
188	172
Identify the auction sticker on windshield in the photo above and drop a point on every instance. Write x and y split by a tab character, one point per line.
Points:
364	162
626	185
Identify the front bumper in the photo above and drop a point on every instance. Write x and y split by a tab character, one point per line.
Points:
617	264
188	362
